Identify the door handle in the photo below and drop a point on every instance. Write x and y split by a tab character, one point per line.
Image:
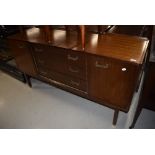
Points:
43	72
101	66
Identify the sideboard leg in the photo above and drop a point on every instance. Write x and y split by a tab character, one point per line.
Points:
137	113
28	80
116	112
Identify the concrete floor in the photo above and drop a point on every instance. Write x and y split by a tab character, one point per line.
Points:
44	106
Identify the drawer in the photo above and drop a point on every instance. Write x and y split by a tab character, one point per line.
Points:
40	53
67	80
76	71
77	59
77	83
43	71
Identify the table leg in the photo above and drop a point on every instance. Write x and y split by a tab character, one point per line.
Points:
116	112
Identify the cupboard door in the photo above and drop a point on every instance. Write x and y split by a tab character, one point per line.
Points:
23	56
111	82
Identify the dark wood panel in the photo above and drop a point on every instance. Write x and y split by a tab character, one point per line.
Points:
53	58
111	81
23	57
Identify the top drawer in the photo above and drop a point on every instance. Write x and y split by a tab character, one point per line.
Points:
76	58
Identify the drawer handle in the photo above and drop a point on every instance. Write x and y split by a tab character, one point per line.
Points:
101	66
72	58
73	70
21	46
43	72
74	83
40	61
38	49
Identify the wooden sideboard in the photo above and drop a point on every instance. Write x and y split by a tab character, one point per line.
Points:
107	70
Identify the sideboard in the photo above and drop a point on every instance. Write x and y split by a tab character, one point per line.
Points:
106	68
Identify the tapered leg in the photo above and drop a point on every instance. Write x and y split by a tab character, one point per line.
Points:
24	79
139	106
139	109
28	80
116	112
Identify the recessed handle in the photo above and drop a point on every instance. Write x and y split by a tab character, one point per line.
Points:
73	70
74	83
21	46
40	61
101	66
38	49
72	58
43	72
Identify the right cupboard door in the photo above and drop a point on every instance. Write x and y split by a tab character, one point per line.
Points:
111	82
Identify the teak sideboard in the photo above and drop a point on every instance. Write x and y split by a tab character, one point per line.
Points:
105	68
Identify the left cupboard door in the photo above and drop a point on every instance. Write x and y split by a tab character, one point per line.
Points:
22	53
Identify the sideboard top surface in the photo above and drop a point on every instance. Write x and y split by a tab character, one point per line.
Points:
60	38
118	46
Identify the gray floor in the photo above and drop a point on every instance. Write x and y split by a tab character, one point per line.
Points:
44	106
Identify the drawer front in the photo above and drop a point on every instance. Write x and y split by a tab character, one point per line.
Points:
22	53
76	58
43	71
111	81
40	53
76	72
76	64
70	81
77	83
